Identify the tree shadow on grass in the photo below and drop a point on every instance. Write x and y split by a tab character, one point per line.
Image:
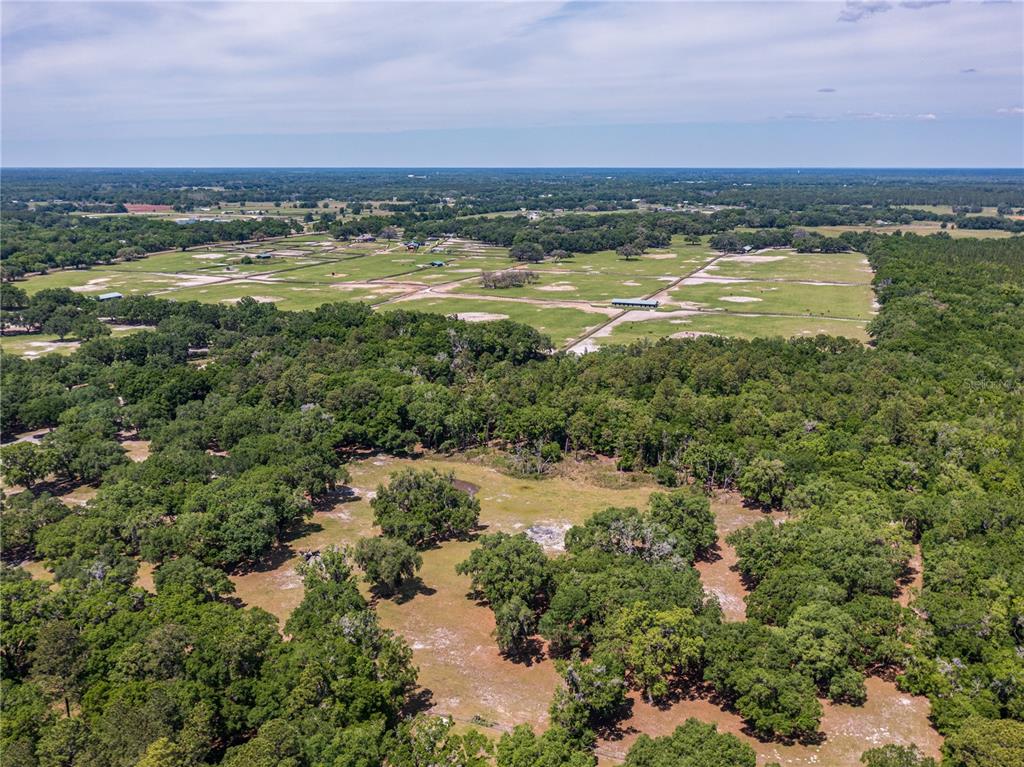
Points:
614	730
711	554
406	592
531	652
419	701
342	494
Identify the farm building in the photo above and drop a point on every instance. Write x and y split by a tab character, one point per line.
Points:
108	296
635	303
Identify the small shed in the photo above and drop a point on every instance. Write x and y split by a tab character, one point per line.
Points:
635	303
437	263
108	296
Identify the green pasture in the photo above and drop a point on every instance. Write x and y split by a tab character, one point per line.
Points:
102	279
734	325
576	286
560	324
284	296
849	301
790	265
39	344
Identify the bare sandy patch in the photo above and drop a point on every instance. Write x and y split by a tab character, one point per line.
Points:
705	279
753	259
287	253
40	348
739	299
632	284
208	255
481	316
560	287
91	285
660	256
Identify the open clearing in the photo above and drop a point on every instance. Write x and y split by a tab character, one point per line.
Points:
768	293
32	345
460	670
729	324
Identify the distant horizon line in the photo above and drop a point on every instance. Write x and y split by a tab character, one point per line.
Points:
523	167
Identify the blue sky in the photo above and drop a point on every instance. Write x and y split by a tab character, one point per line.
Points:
874	83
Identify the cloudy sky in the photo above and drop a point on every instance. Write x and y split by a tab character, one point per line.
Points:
872	83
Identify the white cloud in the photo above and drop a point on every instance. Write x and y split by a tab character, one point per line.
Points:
194	69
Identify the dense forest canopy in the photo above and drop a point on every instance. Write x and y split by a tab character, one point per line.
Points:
914	440
508	189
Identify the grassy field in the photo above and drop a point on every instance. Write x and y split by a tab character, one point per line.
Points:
734	325
795	298
562	324
577	286
571	298
284	296
789	265
37	344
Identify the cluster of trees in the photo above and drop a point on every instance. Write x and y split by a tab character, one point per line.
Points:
530	240
917	440
57	311
508	278
424	508
40	239
802	241
100	672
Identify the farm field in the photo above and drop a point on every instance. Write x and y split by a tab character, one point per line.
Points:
290	297
776	292
461	672
788	265
562	323
577	286
766	297
735	325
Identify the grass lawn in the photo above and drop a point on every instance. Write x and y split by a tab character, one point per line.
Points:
102	280
37	344
560	324
284	296
400	265
576	286
673	261
849	301
790	265
734	325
